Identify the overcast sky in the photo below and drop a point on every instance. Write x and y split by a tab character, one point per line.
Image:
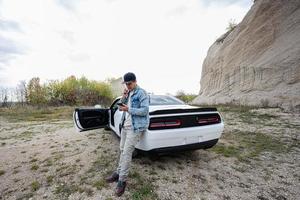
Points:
163	42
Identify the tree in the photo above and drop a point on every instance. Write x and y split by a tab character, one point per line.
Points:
21	92
4	97
36	94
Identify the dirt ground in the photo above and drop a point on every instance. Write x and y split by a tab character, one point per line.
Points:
43	157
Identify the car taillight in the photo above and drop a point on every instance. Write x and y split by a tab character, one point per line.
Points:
165	124
208	120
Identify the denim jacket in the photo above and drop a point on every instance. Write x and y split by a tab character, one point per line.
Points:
139	109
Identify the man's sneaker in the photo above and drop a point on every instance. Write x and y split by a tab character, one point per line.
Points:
112	178
120	188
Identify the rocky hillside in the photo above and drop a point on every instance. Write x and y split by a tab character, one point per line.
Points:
258	62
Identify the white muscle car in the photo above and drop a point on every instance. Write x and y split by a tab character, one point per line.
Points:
174	125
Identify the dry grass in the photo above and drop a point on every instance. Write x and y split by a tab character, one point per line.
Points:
43	155
30	113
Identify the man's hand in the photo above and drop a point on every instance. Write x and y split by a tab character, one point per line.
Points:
123	108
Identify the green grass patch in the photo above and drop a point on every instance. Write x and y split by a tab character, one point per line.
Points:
144	192
249	145
50	179
66	170
100	184
234	108
142	189
47	162
227	151
35	185
25	136
104	161
256	118
247	114
2	172
64	190
34	167
33	160
31	113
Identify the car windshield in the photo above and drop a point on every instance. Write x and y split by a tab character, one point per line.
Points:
164	100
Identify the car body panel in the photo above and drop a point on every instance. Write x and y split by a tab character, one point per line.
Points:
90	118
177	137
166	138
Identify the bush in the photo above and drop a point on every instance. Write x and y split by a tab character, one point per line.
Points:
231	26
70	91
185	97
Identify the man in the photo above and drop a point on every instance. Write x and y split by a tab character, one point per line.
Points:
134	122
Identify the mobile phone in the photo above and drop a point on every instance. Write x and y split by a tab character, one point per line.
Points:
120	104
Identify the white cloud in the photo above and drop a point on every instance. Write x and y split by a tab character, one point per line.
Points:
163	42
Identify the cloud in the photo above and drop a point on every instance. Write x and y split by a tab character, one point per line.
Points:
226	2
111	1
67	36
179	10
8	50
9	25
68	4
79	57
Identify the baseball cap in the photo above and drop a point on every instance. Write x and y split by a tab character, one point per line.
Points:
129	76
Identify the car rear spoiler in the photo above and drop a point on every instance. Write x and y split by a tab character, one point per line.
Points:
182	110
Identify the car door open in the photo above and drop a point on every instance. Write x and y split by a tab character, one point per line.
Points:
90	118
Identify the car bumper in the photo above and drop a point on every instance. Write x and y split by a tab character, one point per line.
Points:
194	146
182	138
